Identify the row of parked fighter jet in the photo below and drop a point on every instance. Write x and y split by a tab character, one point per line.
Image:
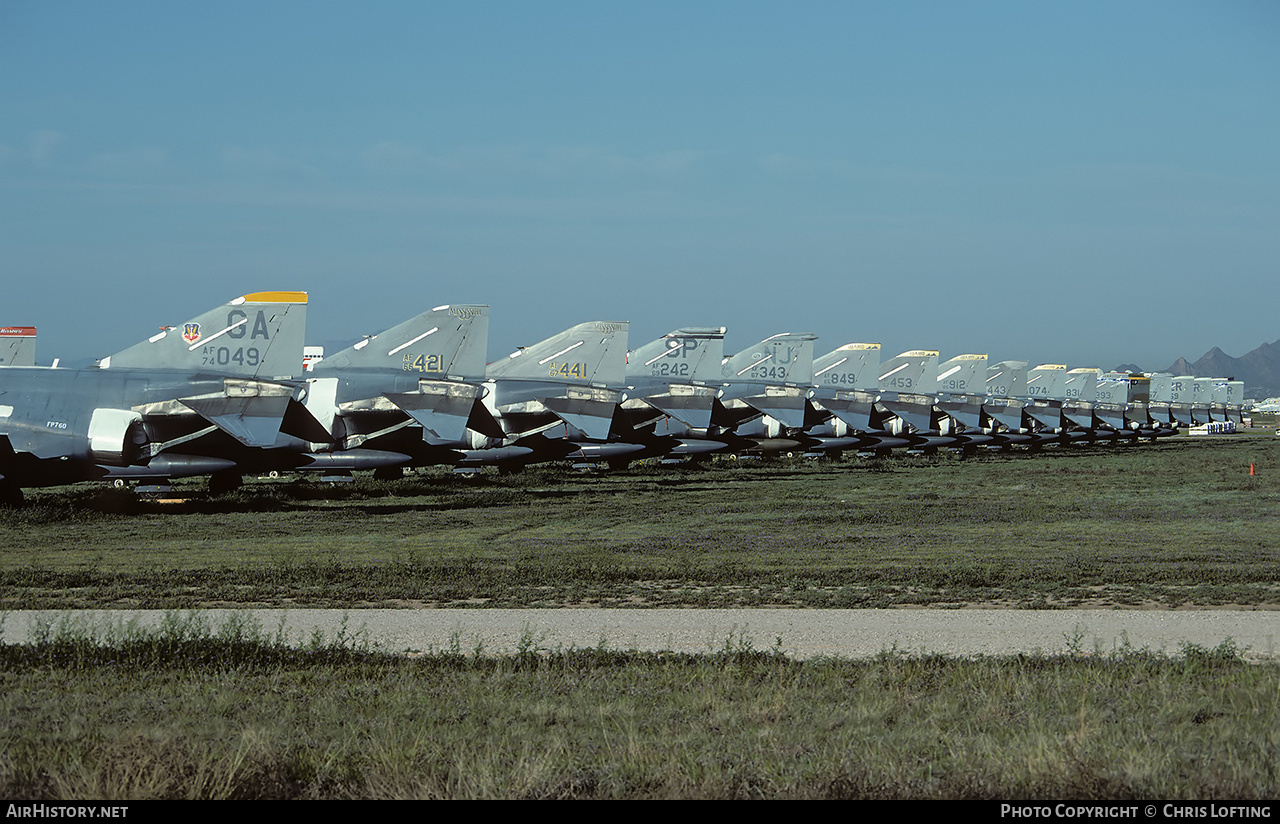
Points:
226	394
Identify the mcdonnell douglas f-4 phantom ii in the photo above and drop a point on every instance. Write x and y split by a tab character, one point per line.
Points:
402	397
756	400
178	403
554	399
673	387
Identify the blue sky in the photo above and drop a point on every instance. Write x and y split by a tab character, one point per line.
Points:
1087	183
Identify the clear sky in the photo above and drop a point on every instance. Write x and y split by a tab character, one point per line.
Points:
1087	183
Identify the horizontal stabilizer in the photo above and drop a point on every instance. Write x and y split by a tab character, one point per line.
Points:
785	404
967	411
1112	417
1080	415
588	411
916	410
691	405
441	408
854	408
1048	416
1007	411
249	411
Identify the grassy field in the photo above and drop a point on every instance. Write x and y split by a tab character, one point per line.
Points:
1176	523
192	711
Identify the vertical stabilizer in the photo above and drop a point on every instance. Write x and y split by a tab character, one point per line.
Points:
1047	382
448	342
1161	387
685	355
1080	396
1202	400
592	353
786	358
679	374
772	378
255	336
577	376
851	367
1081	385
1007	379
962	375
1181	394
1006	387
17	346
914	371
906	384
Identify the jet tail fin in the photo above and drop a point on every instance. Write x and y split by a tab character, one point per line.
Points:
1081	385
446	342
1047	382
684	355
851	367
915	371
1007	379
786	358
589	353
17	346
962	375
257	335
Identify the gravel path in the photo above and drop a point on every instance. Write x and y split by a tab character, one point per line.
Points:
802	633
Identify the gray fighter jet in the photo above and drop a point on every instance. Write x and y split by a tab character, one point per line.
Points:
673	387
555	399
402	397
193	399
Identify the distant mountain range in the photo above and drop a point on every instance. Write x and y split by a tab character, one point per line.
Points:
1260	369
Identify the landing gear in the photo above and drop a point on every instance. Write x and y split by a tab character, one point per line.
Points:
388	473
222	483
11	494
